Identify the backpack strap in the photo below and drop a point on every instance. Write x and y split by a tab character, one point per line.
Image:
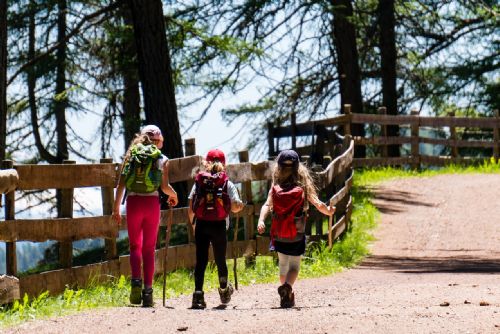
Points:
305	207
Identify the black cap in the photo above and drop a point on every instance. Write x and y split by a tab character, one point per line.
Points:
288	158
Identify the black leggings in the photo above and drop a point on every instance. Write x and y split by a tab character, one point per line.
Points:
207	232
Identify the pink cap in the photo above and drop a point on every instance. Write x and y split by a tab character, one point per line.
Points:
153	132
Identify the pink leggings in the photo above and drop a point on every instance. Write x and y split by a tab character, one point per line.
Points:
143	219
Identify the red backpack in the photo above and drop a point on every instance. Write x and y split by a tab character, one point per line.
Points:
288	217
211	200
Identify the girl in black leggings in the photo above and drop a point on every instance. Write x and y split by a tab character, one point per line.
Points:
208	211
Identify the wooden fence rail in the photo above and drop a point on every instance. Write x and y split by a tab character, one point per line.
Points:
322	146
335	180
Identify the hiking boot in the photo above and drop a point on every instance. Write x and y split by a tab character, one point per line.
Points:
198	301
287	297
225	294
147	297
135	291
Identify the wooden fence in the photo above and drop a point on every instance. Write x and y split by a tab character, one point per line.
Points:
334	181
324	138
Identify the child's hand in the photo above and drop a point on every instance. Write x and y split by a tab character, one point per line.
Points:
173	200
261	227
331	209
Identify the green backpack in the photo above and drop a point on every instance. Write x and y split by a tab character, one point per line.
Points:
141	172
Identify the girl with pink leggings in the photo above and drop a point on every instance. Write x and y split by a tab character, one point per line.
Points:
143	207
143	217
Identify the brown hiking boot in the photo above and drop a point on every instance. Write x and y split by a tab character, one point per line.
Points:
287	297
225	294
198	301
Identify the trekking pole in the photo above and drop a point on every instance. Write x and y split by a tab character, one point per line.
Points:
167	241
235	246
330	224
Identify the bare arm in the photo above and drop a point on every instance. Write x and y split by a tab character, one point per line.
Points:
322	207
264	212
120	190
190	211
167	188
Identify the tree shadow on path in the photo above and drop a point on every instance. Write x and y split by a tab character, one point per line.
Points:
394	201
463	264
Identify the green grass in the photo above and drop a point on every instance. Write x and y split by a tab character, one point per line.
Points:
318	261
368	177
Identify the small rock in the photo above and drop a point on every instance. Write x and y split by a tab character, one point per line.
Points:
483	303
444	304
182	329
467	302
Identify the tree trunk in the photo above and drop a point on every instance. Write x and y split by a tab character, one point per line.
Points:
61	99
155	72
31	76
131	117
3	78
388	55
344	34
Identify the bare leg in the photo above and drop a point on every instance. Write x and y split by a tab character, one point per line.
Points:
291	277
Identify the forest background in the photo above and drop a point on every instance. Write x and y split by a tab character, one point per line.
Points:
79	77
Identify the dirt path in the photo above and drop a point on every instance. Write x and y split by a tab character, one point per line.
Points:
438	244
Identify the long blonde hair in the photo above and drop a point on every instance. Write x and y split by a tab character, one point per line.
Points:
214	167
138	139
289	175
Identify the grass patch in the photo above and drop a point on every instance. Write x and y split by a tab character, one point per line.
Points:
318	261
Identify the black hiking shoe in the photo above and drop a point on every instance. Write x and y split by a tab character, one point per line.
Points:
147	297
287	297
135	291
225	294
198	301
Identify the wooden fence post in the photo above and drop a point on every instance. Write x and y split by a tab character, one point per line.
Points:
339	183
270	139
347	126
66	204
415	141
190	146
107	196
248	221
496	136
10	211
190	149
383	133
453	138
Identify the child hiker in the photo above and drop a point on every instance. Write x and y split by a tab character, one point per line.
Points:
144	170
211	199
288	200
